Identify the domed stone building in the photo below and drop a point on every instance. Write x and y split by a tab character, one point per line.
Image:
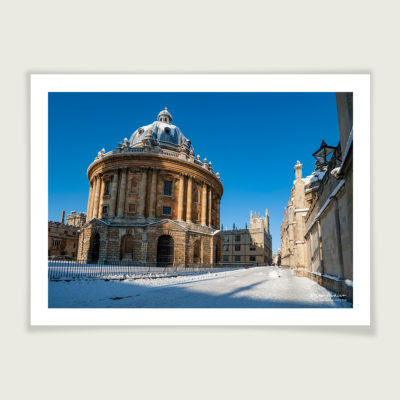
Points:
152	201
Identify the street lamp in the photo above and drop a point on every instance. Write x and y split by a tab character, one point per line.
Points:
324	154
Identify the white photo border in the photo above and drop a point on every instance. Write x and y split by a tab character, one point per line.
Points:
42	84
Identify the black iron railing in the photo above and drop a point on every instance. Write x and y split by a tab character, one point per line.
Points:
60	269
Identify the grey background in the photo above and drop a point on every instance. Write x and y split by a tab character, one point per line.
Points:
207	37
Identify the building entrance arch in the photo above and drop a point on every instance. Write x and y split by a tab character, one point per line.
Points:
126	251
196	251
165	250
95	248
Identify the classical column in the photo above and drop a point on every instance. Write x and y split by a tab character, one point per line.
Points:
209	206
189	200
142	193
101	202
204	205
97	198
92	201
122	189
114	189
217	207
89	202
180	197
153	190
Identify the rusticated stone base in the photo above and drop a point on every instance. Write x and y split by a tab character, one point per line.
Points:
138	242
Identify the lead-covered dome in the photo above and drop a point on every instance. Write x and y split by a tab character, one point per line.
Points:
162	133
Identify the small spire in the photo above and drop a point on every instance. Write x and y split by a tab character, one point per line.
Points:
165	109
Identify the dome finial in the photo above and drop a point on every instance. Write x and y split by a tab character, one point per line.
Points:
164	116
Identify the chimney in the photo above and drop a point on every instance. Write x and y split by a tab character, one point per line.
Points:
298	169
62	216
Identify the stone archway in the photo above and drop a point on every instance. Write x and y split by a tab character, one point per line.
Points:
165	250
95	248
196	252
126	249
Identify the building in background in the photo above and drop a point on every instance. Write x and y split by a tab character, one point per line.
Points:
249	246
63	238
276	258
317	230
152	201
76	219
293	246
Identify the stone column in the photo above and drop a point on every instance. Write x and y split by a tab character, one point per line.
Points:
114	188
97	198
153	193
122	189
217	206
142	193
180	197
204	205
101	202
89	206
189	199
92	205
209	206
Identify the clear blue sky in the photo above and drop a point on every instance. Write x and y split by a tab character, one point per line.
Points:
252	139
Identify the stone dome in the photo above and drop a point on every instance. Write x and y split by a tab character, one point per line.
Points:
162	133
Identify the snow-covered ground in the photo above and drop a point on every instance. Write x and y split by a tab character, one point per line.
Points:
269	287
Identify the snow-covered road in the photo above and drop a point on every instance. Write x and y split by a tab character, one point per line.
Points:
270	287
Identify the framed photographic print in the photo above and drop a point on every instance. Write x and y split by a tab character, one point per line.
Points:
200	199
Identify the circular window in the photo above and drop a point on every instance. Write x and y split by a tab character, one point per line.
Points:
167	130
140	131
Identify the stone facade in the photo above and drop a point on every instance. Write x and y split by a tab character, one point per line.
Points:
293	246
76	219
150	200
317	232
62	240
329	222
249	246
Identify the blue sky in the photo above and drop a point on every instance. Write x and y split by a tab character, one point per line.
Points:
252	139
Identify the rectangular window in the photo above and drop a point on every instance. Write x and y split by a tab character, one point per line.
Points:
166	210
226	258
237	238
226	247
56	243
107	188
252	258
252	247
237	247
237	258
168	188
226	238
105	210
132	208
